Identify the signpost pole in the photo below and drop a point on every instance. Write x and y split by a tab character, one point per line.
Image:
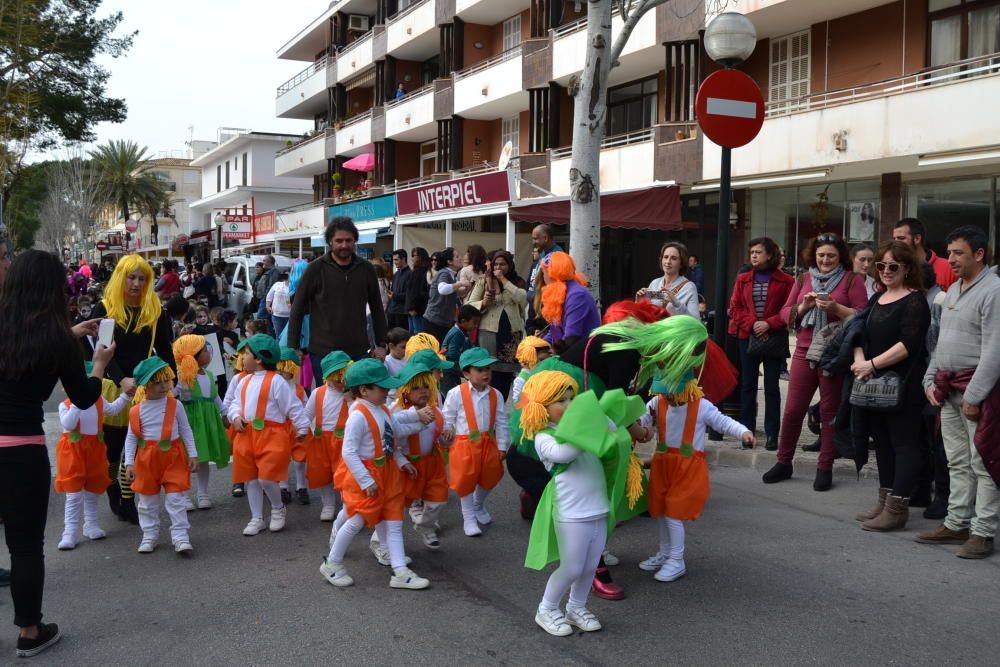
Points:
722	251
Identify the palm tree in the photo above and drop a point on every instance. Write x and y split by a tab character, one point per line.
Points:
154	200
125	171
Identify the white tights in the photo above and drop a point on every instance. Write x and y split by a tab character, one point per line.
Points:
328	495
671	537
256	488
581	544
203	473
390	533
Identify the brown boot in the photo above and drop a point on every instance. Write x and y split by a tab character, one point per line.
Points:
976	547
893	516
875	509
943	535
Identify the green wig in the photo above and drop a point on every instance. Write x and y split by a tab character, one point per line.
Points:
669	348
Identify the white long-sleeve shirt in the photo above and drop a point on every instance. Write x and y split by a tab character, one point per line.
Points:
277	299
581	491
454	414
282	403
358	444
407	422
70	415
227	402
686	297
184	393
151	414
332	403
708	415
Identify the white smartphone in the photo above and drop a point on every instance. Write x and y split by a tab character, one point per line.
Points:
106	332
823	296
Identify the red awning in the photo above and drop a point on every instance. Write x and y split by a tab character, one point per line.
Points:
658	207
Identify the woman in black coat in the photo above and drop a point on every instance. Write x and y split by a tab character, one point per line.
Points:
418	289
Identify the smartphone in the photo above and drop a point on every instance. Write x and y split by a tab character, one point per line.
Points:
106	332
823	296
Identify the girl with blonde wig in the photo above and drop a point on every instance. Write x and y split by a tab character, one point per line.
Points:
530	351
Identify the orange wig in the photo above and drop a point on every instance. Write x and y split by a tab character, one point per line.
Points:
560	269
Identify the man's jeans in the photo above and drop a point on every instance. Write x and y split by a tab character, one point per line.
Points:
974	501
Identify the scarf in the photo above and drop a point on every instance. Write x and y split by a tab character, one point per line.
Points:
816	319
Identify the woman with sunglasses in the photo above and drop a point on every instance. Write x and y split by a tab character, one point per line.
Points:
894	339
828	292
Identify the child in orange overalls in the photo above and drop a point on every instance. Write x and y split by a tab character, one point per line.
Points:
239	490
289	369
327	410
370	477
82	464
678	478
419	427
475	411
159	454
262	446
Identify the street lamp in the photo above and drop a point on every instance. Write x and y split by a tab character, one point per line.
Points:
219	221
729	40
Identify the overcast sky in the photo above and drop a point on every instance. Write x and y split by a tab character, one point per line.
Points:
203	63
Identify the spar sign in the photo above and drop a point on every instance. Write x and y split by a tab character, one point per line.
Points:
730	108
237	227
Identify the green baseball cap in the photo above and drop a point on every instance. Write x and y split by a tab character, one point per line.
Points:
146	369
424	361
370	371
476	356
334	361
264	347
288	354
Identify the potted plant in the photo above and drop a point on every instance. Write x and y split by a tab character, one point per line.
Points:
371	180
288	143
336	184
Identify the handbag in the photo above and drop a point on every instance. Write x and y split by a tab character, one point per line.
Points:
775	346
881	393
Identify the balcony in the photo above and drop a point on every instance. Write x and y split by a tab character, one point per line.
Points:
411	118
412	34
300	219
934	111
306	158
627	161
355	136
492	88
774	18
642	53
488	12
356	57
304	95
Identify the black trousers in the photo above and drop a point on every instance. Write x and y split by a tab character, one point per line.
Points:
398	321
436	330
25	478
899	448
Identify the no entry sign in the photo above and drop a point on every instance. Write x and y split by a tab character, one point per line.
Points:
730	108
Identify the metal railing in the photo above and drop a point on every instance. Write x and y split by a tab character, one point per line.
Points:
353	45
396	186
928	78
305	140
578	24
489	62
419	92
308	72
357	119
300	207
404	12
614	141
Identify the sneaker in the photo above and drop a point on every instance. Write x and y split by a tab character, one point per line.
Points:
48	635
302	496
471	527
430	538
416	511
286	496
672	570
147	546
482	516
204	503
277	519
380	552
239	490
188	504
404	577
609	559
93	532
183	548
583	618
553	622
328	513
653	563
254	527
67	543
335	574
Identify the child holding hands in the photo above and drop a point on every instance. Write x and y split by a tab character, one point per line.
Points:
327	409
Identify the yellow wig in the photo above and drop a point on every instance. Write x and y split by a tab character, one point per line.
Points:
186	348
419	381
237	362
339	375
540	391
560	269
527	351
114	296
164	373
423	341
289	367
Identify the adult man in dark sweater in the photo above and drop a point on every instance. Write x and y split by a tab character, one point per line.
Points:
334	291
397	302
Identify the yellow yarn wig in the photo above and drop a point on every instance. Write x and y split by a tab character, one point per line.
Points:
540	391
527	351
186	348
423	341
114	296
419	381
339	375
289	367
164	373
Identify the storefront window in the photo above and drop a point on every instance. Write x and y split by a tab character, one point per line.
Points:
944	205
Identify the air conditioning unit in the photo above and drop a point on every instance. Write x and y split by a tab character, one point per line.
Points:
357	22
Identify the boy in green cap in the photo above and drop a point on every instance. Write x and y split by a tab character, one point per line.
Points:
373	489
289	369
475	418
327	411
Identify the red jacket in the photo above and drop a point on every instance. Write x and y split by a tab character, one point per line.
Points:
742	313
985	439
942	270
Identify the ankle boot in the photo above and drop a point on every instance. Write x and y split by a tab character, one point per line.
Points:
823	481
778	472
893	516
875	509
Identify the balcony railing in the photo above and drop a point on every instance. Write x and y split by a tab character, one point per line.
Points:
396	186
299	207
353	45
423	90
315	68
579	24
403	12
356	119
934	76
489	62
614	141
305	140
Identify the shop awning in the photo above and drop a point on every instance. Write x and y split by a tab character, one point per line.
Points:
657	207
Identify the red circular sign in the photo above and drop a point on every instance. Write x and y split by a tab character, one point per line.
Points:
131	225
101	245
730	108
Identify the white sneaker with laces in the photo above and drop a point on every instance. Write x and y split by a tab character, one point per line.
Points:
672	570
183	547
482	516
68	542
553	622
471	527
148	545
93	532
582	618
254	527
404	577
653	563
610	560
277	519
335	574
328	513
204	503
188	505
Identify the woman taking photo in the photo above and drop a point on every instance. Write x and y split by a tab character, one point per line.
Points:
417	289
474	270
672	290
828	292
501	297
755	315
894	340
33	299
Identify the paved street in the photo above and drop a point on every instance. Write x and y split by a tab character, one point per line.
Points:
776	575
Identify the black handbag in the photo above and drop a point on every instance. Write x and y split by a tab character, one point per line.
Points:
775	346
881	393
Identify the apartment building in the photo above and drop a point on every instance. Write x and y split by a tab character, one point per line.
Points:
875	111
156	237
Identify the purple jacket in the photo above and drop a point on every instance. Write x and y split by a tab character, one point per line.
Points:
580	315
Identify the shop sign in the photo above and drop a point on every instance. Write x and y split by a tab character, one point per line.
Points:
491	188
264	223
360	210
237	227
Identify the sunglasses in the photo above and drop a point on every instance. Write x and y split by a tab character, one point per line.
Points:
827	238
887	267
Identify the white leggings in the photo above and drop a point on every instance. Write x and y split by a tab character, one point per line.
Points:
581	544
390	533
671	537
256	488
203	474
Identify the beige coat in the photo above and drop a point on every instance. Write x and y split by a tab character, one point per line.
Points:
511	299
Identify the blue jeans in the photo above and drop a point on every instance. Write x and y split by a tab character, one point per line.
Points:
748	391
416	324
279	325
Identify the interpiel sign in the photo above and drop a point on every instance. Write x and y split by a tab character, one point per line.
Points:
237	227
491	188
